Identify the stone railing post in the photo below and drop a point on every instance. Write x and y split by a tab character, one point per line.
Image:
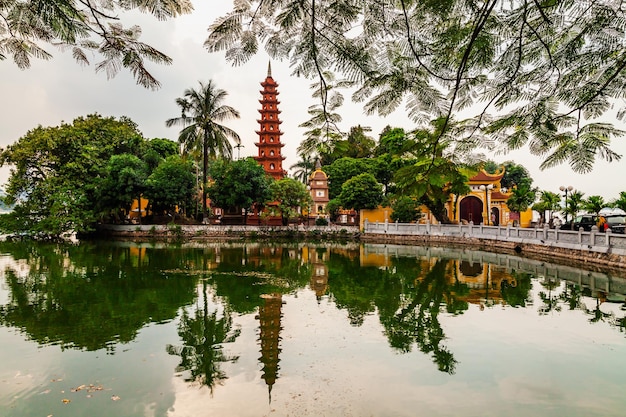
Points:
592	235
386	226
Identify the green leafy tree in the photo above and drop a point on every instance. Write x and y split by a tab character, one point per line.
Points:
157	150
290	195
84	27
391	141
594	204
345	168
361	192
124	182
172	184
239	184
359	145
520	69
202	112
56	173
341	171
405	210
332	208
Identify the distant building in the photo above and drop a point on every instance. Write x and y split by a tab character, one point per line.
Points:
318	188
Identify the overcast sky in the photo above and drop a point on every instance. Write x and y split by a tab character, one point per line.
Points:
59	90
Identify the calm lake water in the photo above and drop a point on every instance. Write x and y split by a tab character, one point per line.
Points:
194	330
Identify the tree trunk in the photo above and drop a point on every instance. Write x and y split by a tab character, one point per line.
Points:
205	166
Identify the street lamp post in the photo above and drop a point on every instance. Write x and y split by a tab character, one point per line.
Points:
486	188
566	190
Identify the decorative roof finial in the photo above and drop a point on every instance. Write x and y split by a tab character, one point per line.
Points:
269	69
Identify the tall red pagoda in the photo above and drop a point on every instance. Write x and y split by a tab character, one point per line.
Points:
269	145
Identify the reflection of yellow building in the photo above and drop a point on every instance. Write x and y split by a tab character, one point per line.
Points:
483	280
317	258
379	260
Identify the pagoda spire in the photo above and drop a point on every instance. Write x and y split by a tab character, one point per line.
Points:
269	144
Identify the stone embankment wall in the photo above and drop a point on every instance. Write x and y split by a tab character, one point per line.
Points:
216	232
583	248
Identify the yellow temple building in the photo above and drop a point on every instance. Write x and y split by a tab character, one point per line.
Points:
485	204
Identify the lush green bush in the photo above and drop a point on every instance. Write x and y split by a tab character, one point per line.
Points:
321	221
405	210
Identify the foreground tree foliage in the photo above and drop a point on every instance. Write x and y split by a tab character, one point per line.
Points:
542	74
84	27
430	172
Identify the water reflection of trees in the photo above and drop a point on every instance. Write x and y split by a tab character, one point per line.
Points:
203	333
417	320
408	295
244	279
551	298
91	296
87	296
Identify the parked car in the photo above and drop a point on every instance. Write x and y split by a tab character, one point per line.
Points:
616	223
586	221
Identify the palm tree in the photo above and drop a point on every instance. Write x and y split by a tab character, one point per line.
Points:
548	201
594	204
574	205
304	168
522	197
202	113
